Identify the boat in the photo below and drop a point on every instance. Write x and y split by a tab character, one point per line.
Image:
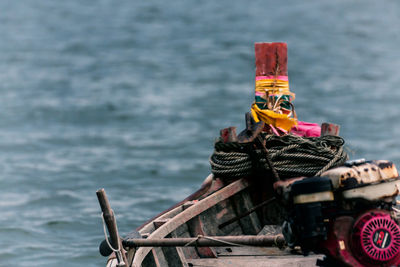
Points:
339	213
200	215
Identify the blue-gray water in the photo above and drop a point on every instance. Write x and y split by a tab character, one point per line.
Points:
129	96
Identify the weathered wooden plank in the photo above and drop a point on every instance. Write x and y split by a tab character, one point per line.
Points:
251	251
223	212
180	252
153	259
257	261
206	186
158	222
189	252
242	203
149	228
174	256
188	204
168	256
273	213
196	228
214	216
216	185
190	213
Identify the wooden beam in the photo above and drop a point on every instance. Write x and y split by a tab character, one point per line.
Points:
205	187
110	222
190	213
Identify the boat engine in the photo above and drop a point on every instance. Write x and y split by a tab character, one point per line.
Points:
348	214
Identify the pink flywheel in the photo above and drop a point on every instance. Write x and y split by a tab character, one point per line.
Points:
377	235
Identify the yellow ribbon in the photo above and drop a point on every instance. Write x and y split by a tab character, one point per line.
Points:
274	86
268	116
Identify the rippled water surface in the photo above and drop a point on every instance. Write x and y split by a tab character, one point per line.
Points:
129	96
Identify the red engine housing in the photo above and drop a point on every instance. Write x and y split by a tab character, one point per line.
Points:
372	239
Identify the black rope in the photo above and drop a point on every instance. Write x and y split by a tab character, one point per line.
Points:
290	156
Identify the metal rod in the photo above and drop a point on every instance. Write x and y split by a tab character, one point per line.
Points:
209	241
110	221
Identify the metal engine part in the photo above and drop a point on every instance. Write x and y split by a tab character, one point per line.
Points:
349	215
376	238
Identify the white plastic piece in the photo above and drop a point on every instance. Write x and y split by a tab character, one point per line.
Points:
374	192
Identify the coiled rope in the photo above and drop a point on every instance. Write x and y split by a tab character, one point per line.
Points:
231	164
292	156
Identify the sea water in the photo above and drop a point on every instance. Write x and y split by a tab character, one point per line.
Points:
130	95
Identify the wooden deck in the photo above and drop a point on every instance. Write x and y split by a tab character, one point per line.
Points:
255	261
202	216
255	257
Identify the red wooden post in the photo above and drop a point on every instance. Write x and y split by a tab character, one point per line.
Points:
271	64
271	59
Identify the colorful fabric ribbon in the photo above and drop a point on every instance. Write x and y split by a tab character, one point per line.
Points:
270	117
273	86
273	102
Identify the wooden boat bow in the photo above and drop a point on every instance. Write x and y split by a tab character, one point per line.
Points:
188	214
